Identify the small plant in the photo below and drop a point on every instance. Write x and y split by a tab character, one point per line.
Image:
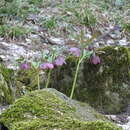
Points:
7	85
52	61
32	71
86	52
47	66
85	17
11	7
19	9
49	23
127	27
81	54
13	32
80	12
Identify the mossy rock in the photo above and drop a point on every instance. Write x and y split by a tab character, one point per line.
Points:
106	86
49	109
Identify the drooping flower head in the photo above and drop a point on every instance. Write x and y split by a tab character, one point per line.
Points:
25	66
95	60
75	51
59	61
46	65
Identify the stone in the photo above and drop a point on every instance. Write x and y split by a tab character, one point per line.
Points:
102	85
123	42
50	109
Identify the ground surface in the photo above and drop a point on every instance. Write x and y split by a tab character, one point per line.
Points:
59	24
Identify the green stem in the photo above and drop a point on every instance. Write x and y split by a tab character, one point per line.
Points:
38	81
48	78
75	77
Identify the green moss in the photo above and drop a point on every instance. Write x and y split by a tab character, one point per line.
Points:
44	109
37	124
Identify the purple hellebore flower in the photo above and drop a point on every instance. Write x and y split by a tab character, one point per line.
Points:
46	65
75	51
95	60
25	66
60	61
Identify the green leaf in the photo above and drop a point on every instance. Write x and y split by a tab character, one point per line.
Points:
87	54
35	64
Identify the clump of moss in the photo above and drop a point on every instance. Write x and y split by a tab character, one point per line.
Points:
37	124
44	109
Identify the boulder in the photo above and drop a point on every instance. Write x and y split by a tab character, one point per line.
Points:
106	86
50	109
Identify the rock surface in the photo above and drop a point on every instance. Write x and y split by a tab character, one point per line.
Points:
105	86
50	109
126	126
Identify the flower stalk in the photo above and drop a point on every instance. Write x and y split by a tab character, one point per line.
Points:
38	81
48	78
75	77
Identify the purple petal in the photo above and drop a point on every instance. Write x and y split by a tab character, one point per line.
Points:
43	66
50	66
46	66
60	61
25	66
95	60
75	51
